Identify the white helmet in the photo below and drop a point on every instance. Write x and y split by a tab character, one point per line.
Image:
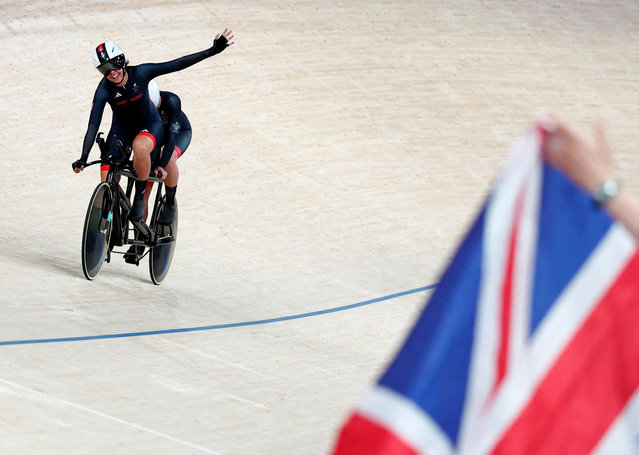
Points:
154	92
107	57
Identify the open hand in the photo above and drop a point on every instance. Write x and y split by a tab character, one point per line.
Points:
222	41
228	35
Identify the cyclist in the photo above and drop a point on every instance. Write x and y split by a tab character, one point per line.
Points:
177	137
135	120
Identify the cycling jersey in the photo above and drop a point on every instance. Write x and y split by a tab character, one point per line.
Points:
133	112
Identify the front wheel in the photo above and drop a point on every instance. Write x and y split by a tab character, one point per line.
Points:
161	254
97	231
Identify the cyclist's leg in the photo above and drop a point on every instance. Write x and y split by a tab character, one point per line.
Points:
182	142
147	193
144	145
146	142
104	170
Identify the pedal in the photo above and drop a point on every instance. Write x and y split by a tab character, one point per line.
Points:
131	256
165	239
132	259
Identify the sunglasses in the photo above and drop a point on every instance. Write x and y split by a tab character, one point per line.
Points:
116	63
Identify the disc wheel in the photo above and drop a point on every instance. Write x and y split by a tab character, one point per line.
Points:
161	255
97	231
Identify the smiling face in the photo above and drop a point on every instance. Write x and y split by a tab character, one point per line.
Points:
115	76
110	62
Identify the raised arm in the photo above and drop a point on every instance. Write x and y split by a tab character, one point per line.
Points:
221	42
591	166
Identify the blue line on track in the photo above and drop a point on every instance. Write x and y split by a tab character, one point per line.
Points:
220	326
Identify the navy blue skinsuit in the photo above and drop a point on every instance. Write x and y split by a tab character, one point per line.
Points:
133	111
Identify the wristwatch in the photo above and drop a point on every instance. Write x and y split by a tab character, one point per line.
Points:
605	191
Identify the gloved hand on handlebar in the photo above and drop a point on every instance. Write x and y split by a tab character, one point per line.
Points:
78	165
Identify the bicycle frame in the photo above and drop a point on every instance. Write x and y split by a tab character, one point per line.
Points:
123	167
107	221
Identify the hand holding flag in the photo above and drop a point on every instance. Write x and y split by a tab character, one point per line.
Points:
529	343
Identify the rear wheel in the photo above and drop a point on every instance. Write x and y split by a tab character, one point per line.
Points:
97	231
161	255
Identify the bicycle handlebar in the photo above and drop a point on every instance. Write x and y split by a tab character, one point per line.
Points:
91	163
122	160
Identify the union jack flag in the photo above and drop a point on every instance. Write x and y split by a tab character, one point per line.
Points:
529	344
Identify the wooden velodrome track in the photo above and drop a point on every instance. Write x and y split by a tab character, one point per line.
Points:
340	150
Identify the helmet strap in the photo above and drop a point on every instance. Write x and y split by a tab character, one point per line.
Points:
124	77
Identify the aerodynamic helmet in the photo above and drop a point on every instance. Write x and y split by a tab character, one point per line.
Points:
108	56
